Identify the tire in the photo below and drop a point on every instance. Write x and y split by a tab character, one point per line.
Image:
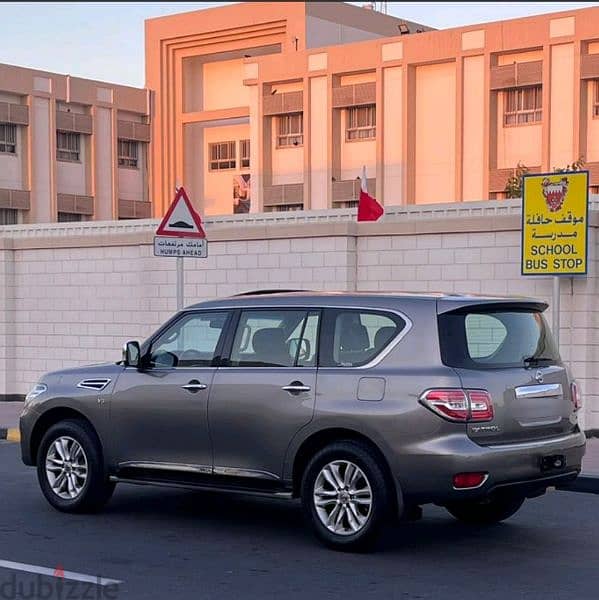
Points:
360	522
487	511
76	441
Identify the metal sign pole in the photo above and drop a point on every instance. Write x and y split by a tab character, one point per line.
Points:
180	283
556	309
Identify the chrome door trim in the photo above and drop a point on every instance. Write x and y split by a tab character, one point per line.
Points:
545	390
239	472
375	361
296	388
194	387
164	466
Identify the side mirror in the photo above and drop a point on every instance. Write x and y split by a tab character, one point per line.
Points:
131	354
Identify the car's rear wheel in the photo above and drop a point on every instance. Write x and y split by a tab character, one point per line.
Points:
70	469
345	496
486	511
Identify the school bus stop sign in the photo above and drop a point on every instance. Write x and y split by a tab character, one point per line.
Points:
555	223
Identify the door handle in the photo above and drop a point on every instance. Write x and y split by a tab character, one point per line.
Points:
194	386
295	387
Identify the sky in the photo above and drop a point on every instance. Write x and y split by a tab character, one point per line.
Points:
105	40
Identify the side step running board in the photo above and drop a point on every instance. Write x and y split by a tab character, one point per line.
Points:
205	487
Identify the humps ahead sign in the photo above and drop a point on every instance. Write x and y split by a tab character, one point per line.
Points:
554	223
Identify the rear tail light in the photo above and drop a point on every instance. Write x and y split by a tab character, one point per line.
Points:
575	396
462	481
459	405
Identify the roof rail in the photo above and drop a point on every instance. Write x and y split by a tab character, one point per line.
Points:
266	292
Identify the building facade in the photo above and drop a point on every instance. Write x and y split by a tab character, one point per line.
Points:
277	106
71	149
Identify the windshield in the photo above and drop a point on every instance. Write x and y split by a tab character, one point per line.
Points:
487	339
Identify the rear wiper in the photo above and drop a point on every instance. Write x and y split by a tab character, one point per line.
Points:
537	360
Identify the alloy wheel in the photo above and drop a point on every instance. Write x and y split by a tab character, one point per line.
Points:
66	467
342	497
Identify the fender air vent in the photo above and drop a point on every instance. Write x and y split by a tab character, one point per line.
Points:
94	384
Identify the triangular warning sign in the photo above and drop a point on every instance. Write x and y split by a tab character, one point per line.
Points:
181	220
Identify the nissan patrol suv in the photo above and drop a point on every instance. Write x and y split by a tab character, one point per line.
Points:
366	406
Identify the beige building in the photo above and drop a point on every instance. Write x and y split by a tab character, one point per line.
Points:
71	149
292	98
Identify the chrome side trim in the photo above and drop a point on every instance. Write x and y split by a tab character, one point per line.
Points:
162	466
282	495
94	384
546	390
375	361
474	487
237	472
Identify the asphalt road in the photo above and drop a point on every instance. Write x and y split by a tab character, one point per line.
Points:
172	544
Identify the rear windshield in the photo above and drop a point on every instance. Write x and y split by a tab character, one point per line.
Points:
494	339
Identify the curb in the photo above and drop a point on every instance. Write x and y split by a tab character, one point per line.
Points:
584	483
11	434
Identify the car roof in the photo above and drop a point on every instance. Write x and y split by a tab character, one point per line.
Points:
344	298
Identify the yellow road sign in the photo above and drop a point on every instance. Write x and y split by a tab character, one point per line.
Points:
555	223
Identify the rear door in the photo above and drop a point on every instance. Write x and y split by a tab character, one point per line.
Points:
509	351
265	392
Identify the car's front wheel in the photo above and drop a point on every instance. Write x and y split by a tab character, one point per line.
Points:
486	511
345	495
70	469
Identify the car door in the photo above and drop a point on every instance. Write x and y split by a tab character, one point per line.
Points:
266	391
159	412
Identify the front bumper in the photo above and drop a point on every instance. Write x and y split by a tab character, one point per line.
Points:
27	422
426	471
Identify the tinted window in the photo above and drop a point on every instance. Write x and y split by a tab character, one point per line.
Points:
190	342
496	339
275	338
355	337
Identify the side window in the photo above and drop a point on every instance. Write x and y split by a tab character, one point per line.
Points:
190	342
485	334
275	338
355	337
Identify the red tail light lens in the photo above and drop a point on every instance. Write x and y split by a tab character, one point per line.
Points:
463	481
575	396
481	405
459	405
451	404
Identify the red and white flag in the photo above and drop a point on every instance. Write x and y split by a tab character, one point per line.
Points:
368	208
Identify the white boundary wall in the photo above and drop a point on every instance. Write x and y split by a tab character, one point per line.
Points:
71	293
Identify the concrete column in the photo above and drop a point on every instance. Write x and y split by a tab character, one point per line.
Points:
320	176
473	126
43	154
393	147
104	177
7	320
256	149
561	116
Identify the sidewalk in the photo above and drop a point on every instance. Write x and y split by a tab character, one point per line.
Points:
9	420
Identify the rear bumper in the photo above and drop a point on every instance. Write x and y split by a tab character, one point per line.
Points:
426	471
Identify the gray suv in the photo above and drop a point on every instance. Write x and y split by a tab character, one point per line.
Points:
365	406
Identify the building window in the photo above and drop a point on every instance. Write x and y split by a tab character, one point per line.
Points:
596	100
8	138
361	123
69	217
523	105
222	156
290	130
244	153
9	216
68	146
128	153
